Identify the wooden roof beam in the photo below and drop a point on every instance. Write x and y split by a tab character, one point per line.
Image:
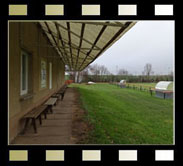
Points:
69	42
116	24
114	37
54	40
96	40
80	43
39	25
60	38
72	45
76	35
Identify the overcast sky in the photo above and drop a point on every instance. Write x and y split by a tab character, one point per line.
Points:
146	42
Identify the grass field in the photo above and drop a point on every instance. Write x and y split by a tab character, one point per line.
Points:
126	116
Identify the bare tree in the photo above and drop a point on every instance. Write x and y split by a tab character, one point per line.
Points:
84	74
122	72
103	70
148	69
95	69
99	71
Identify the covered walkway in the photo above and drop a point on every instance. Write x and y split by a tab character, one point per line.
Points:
40	52
57	128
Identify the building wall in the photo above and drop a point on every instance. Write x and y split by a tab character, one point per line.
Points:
29	37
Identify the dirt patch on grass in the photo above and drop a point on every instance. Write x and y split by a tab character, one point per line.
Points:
80	126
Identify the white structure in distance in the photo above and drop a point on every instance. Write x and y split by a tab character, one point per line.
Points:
122	84
164	89
164	85
91	83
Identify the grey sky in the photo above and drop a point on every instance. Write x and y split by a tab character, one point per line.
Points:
146	42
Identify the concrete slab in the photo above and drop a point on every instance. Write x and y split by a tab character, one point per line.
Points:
42	140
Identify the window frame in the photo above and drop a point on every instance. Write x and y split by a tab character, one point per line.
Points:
24	92
43	86
50	76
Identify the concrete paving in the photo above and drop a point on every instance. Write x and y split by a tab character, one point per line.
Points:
57	128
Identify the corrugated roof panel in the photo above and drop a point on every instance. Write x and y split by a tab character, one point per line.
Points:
91	32
62	23
52	27
107	35
75	40
64	35
90	38
86	45
76	28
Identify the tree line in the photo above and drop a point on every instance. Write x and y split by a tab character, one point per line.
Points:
100	73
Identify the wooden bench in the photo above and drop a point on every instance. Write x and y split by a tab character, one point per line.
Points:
65	86
51	102
62	91
35	114
56	95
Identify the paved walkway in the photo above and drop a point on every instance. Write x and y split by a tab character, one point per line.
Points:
57	128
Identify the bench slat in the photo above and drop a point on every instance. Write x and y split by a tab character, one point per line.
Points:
56	95
51	101
36	112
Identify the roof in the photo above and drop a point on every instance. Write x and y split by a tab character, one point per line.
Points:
122	81
164	85
79	43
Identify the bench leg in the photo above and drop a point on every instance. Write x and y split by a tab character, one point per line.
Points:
26	124
40	120
50	108
45	112
34	125
63	95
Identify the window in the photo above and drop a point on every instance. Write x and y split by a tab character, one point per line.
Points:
50	75
43	74
24	73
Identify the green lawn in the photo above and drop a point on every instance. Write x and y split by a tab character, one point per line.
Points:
126	116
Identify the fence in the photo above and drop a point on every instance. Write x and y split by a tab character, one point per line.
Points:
144	88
